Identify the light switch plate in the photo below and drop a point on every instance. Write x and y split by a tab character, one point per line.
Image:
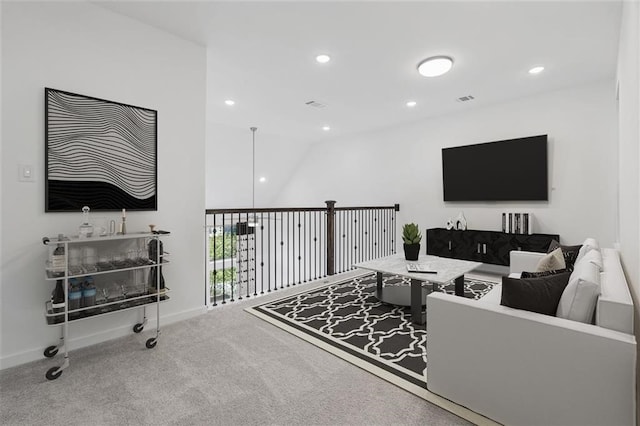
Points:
25	173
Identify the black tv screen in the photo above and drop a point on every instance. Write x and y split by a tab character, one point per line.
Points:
509	170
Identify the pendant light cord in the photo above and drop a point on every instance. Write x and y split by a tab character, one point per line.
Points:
253	175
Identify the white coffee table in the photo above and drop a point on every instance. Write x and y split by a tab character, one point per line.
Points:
415	296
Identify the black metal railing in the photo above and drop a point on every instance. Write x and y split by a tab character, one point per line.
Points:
255	251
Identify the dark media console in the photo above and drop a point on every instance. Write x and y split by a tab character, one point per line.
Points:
484	246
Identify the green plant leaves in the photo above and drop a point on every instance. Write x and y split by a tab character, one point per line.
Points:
411	234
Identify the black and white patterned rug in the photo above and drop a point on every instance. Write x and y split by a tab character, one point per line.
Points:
348	320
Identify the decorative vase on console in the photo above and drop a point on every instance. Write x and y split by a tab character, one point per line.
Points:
411	237
450	224
461	222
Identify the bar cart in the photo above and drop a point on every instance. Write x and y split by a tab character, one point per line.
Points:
101	275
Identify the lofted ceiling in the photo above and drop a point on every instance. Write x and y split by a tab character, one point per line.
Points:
262	56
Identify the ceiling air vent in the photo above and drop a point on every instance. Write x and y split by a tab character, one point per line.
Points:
315	104
465	98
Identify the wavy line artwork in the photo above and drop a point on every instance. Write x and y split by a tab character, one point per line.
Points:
99	153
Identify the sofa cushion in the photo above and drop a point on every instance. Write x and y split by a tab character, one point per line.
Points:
526	274
551	261
579	298
588	245
592	256
524	260
570	253
539	295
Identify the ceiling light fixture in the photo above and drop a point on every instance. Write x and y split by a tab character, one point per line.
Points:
229	102
262	179
411	104
536	70
435	66
326	128
323	59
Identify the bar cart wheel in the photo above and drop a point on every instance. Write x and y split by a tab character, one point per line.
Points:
151	343
138	328
50	352
53	373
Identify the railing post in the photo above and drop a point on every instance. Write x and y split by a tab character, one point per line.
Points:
331	216
396	207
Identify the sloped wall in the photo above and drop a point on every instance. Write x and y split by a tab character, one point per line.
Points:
229	159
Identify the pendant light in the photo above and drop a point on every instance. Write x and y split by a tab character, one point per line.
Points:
253	222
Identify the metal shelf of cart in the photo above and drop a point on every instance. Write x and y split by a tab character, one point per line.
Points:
101	268
117	305
74	239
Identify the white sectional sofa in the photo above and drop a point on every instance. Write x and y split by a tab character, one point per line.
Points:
524	368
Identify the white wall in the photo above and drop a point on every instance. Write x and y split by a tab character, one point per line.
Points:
403	165
629	153
1	168
85	49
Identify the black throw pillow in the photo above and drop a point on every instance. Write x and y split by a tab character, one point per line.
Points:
540	295
570	253
525	274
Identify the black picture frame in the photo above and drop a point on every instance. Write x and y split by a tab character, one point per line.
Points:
99	153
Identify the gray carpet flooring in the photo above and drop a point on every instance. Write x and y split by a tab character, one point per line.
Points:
226	367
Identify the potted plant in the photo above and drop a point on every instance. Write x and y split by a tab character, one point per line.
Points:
411	236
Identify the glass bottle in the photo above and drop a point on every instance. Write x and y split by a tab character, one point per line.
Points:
88	292
58	258
75	297
155	255
57	297
123	224
86	229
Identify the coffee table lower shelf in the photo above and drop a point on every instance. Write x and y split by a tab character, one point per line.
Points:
400	295
413	296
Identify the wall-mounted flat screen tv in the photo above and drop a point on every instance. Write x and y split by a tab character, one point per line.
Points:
509	170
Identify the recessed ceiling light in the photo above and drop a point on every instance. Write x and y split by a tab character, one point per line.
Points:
411	104
435	66
229	102
323	59
536	70
262	179
326	128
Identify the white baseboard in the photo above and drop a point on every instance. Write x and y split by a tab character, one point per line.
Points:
95	338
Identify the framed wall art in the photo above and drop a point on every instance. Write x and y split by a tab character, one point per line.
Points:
99	153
